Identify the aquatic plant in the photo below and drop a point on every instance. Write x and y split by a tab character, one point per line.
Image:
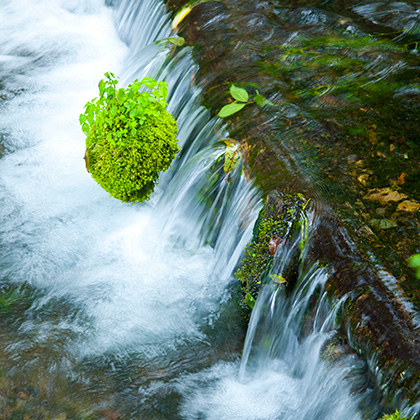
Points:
414	262
130	137
394	416
240	99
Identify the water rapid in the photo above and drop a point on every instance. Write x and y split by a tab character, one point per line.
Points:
126	311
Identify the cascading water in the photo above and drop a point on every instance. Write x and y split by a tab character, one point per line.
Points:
284	371
126	310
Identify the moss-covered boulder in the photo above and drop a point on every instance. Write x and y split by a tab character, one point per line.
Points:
130	138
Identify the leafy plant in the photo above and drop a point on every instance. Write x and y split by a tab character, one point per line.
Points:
414	262
241	98
395	416
232	156
130	137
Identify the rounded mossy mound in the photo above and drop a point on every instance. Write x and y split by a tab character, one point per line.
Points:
129	170
130	137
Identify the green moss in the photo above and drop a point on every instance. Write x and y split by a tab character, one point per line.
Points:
130	170
130	137
277	222
343	67
395	416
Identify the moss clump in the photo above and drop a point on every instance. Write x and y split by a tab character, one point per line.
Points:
130	170
395	416
130	138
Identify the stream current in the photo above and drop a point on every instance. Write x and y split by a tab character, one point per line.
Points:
126	311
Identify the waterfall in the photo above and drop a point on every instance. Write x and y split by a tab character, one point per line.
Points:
286	369
128	308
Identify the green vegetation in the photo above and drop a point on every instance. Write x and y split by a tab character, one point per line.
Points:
241	98
395	416
276	224
130	137
414	262
8	299
14	299
348	69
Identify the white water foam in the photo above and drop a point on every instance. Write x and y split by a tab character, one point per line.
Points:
139	286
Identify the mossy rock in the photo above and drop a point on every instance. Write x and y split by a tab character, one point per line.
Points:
129	170
282	217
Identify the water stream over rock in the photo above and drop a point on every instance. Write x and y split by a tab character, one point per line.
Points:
112	310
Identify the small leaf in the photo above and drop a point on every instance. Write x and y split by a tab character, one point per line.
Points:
232	158
179	17
90	118
414	261
230	109
230	142
85	128
82	118
178	41
238	93
101	87
121	95
277	278
149	82
249	300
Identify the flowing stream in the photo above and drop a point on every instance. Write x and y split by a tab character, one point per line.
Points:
126	311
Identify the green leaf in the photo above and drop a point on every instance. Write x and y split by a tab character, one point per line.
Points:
414	261
238	93
232	158
121	96
101	87
85	128
178	41
230	109
179	17
249	300
90	118
149	82
277	278
82	118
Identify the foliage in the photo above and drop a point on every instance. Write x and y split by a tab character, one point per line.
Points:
8	298
414	262
395	416
272	227
241	98
130	137
13	298
232	156
177	41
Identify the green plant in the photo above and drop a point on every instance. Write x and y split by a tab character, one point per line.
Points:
241	98
273	227
232	156
395	416
130	137
414	262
